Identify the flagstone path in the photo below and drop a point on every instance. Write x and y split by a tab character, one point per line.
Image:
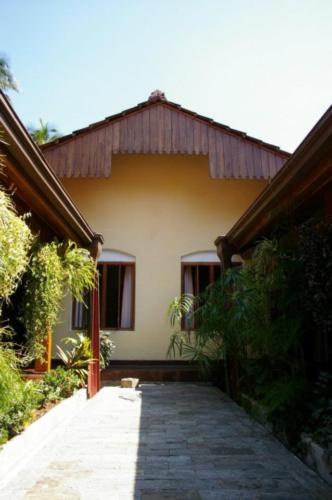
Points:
164	442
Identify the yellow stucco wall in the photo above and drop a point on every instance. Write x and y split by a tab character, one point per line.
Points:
157	208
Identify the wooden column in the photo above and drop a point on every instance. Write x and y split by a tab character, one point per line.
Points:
45	366
225	252
94	366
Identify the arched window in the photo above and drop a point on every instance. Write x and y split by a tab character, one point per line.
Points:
116	292
198	270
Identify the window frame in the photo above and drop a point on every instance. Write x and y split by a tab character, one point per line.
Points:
196	264
103	291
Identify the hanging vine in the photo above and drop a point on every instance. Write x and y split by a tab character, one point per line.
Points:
43	289
54	270
15	242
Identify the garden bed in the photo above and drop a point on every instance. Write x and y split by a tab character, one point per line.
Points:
316	457
23	447
255	410
310	452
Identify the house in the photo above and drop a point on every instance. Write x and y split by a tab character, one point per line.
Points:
158	181
35	188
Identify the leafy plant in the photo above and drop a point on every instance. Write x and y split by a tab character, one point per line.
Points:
217	332
44	289
179	308
107	347
15	242
273	316
79	269
17	397
252	310
54	269
21	412
59	384
78	357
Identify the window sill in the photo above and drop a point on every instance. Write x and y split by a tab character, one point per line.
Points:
117	329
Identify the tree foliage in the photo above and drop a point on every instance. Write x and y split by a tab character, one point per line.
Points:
44	133
7	80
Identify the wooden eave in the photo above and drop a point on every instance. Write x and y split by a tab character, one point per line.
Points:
35	183
163	127
304	177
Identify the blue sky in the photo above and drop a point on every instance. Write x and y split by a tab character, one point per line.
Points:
264	67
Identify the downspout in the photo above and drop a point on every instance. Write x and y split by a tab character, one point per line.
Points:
94	366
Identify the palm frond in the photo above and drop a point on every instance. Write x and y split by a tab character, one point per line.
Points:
180	307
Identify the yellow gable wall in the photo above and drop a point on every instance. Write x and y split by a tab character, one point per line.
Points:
157	208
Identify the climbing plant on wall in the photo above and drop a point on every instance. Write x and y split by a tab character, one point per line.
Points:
43	291
15	242
55	269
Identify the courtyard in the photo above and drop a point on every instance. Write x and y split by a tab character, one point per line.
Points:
175	441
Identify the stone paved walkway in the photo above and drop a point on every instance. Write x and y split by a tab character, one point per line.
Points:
174	442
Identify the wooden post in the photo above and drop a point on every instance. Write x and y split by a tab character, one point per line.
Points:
94	366
45	366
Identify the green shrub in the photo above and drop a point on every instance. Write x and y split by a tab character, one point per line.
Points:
21	411
78	357
59	384
107	347
18	398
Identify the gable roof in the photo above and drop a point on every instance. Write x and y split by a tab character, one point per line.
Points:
158	126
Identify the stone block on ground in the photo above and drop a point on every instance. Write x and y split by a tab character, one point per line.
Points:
129	383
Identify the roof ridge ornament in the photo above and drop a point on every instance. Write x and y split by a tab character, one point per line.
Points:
157	95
